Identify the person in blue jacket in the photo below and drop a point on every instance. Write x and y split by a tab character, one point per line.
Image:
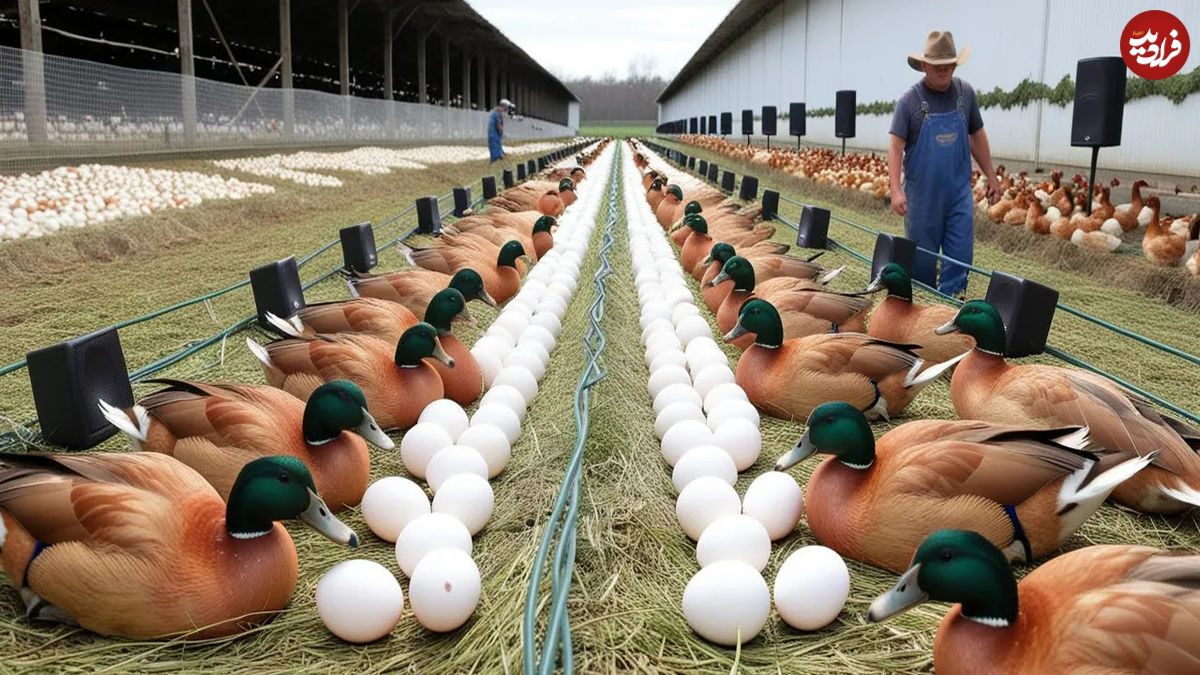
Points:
936	128
496	129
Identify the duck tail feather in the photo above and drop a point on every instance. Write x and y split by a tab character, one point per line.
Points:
136	427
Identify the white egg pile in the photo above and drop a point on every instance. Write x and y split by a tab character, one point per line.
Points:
456	455
709	432
35	205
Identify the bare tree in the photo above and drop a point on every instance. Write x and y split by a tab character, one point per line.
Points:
631	99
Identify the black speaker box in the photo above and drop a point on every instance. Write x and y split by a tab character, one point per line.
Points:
530	168
703	125
462	201
489	187
768	120
692	163
726	123
1099	102
541	163
797	120
520	172
429	217
276	289
703	171
693	126
727	181
1027	308
749	189
814	227
843	122
68	380
712	124
507	177
747	122
358	247
890	248
770	204
713	172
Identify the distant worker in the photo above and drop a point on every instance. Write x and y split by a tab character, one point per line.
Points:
936	128
496	129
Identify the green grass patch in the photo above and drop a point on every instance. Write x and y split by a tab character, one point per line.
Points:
617	129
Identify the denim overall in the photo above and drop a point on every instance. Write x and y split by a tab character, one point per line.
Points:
494	148
937	183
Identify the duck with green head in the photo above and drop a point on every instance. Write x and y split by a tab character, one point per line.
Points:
463	383
696	243
1101	609
497	266
139	545
654	189
790	378
987	387
218	427
396	381
566	192
1027	490
765	257
543	235
670	208
899	319
804	306
414	288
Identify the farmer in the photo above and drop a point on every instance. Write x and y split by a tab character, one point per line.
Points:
496	129
936	128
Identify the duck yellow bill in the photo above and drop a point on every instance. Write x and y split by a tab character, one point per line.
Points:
440	354
948	327
738	331
320	518
721	276
369	429
803	450
906	594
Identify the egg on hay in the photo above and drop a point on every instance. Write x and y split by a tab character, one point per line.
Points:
359	600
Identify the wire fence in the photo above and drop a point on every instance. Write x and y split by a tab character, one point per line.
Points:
1057	353
86	109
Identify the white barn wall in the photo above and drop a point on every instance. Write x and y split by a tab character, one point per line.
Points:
805	50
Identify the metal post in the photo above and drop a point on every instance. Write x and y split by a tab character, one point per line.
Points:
481	82
494	92
33	70
446	71
285	68
187	71
1092	178
421	84
466	72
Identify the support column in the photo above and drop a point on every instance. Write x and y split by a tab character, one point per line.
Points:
33	70
446	71
466	90
343	18
481	83
187	71
493	96
285	67
421	84
388	75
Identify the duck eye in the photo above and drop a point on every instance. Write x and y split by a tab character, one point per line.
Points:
284	478
946	556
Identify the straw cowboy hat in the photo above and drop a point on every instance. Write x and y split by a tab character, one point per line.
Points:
939	51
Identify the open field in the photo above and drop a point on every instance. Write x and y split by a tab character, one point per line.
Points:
617	129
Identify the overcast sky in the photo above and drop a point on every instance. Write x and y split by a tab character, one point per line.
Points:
578	38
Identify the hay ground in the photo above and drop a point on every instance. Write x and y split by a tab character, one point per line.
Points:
633	559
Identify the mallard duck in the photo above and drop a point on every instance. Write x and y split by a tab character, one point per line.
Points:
372	316
1100	609
789	378
899	319
986	387
397	382
139	545
415	288
217	428
803	305
724	223
543	237
669	207
462	382
655	190
767	260
1026	490
492	236
499	271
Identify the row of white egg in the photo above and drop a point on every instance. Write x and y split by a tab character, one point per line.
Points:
728	600
360	600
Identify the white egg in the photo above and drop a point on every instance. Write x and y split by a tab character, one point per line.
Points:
675	393
534	346
725	603
674	414
534	287
489	364
429	533
733	409
703	460
711	376
514	323
691	328
500	415
443	590
553	304
492	444
518	307
665	377
704	500
655	309
468	498
656	326
705	359
734	538
548	321
664	337
679	294
658	348
684	436
446	414
506	395
454	460
392	502
540	336
529	360
420	443
684	310
776	500
811	587
668	357
723	392
359	600
521	379
741	439
501	338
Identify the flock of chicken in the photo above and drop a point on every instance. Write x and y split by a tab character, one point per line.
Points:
1050	207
